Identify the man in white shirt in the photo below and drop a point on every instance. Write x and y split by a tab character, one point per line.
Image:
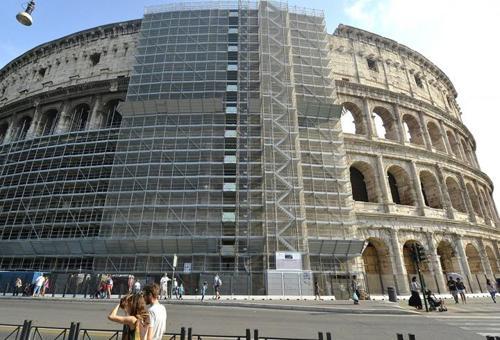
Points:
38	285
157	312
164	286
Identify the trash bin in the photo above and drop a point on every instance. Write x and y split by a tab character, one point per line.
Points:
391	291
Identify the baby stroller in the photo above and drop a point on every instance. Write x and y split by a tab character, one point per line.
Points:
434	302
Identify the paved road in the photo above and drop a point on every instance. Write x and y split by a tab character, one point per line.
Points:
277	323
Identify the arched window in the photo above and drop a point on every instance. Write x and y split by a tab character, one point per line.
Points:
23	127
436	138
352	119
474	259
80	117
430	190
4	127
413	133
455	148
467	152
400	185
455	193
474	200
48	122
364	187
385	125
112	117
487	210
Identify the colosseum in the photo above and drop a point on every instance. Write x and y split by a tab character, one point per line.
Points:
242	140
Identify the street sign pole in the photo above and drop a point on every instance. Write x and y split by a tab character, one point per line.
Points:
417	254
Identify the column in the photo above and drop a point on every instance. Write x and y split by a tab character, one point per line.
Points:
427	138
444	193
482	207
468	202
384	185
485	261
447	144
398	265
96	115
462	261
399	122
369	119
64	122
10	134
435	265
33	129
417	185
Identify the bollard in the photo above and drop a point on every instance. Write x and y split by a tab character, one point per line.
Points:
190	333
23	330
399	336
320	335
54	289
5	288
255	334
77	331
248	335
71	334
183	333
26	330
411	336
328	336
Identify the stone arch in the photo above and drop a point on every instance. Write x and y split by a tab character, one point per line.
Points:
455	147
487	211
80	117
363	183
22	127
436	137
352	119
447	257
4	128
455	193
474	199
467	152
492	259
48	122
413	132
430	190
378	267
112	118
400	186
474	259
385	124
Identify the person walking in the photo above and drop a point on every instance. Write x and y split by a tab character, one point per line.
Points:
130	283
137	320
109	286
415	300
452	287
181	291
461	290
157	312
217	285
355	289
45	287
164	286
492	290
137	287
18	287
204	290
175	288
316	291
38	285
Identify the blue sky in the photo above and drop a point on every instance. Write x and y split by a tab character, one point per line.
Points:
459	36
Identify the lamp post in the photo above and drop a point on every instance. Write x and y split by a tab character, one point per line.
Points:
24	17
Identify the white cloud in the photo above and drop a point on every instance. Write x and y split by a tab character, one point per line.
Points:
460	37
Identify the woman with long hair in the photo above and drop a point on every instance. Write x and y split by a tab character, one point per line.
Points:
415	300
136	320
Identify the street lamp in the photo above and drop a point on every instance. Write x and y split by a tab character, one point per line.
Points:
25	18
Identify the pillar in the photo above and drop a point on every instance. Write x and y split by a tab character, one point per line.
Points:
33	129
468	202
463	263
400	124
398	265
482	207
96	115
444	193
427	137
417	185
64	122
384	185
488	271
447	144
10	134
435	265
368	118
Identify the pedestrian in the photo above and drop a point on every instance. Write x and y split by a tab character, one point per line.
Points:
38	285
204	290
316	291
109	286
18	287
175	288
181	291
137	287
217	285
130	283
452	287
355	289
492	290
415	300
461	290
164	286
137	320
157	312
45	286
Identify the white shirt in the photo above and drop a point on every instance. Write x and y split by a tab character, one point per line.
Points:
137	285
415	286
158	316
164	282
39	281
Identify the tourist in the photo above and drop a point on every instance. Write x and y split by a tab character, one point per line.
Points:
204	290
157	312
492	290
18	287
137	287
45	286
38	285
130	283
175	288
461	290
137	320
415	300
316	291
109	286
164	286
452	287
181	291
217	285
355	289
